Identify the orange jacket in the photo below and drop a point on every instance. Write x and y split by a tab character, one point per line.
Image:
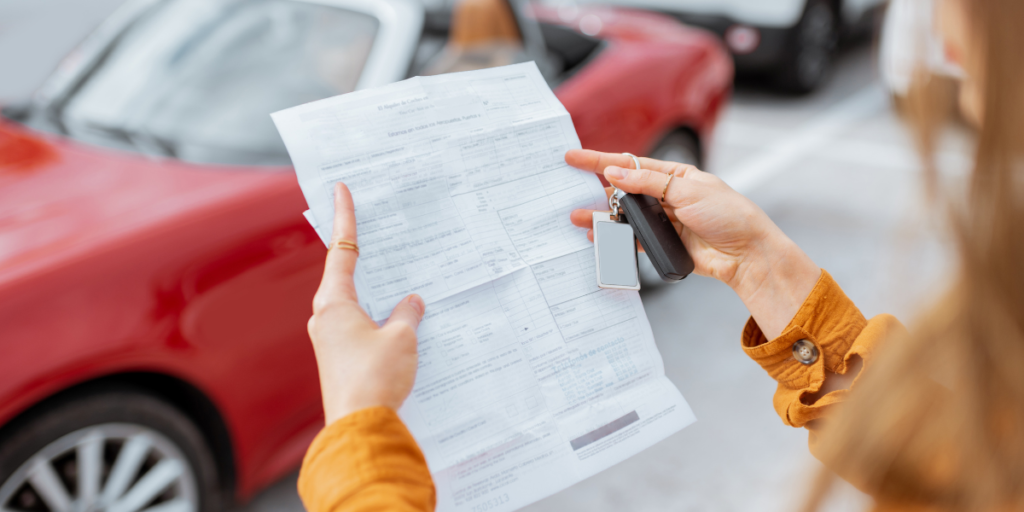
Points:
368	460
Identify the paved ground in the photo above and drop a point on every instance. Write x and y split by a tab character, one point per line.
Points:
836	170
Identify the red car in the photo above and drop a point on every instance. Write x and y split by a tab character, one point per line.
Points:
156	271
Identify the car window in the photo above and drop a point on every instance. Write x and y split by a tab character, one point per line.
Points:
197	79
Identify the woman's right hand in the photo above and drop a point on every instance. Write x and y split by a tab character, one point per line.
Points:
728	236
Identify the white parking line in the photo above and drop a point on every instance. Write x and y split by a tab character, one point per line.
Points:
765	165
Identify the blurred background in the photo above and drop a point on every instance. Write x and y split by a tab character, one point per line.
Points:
155	269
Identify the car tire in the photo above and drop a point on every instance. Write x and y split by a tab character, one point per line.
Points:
678	146
810	48
106	451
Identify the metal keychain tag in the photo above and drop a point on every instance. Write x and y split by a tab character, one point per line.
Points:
615	248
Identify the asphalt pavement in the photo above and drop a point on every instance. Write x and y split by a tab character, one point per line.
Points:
836	170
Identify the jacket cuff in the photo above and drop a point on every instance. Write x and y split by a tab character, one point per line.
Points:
828	319
365	448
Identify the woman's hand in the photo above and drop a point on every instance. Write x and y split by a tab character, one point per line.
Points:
727	235
361	365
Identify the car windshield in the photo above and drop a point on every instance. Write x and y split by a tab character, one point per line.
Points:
197	79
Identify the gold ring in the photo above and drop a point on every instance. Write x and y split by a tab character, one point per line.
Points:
665	190
348	245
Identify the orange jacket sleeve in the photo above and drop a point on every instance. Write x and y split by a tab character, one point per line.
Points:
366	461
829	320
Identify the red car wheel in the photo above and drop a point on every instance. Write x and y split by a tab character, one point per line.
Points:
120	451
678	146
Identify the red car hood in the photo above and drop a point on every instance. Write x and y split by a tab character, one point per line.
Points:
59	198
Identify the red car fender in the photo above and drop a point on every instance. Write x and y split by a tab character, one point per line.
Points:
194	289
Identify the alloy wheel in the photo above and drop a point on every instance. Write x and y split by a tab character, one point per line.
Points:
111	467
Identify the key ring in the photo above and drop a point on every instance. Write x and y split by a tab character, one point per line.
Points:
613	203
636	161
617	193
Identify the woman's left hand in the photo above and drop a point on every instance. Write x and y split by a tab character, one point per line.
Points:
728	236
361	365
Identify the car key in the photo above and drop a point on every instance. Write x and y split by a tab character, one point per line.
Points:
657	236
656	233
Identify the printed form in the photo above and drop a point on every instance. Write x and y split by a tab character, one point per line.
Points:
531	378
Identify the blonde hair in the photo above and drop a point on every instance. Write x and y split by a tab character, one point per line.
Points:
938	420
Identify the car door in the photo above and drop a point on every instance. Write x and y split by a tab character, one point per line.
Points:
246	290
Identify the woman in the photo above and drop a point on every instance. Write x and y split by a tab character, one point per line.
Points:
936	421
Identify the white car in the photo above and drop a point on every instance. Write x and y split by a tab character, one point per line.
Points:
792	40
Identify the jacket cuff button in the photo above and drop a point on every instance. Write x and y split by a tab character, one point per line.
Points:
805	352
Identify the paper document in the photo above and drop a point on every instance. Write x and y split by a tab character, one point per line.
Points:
531	378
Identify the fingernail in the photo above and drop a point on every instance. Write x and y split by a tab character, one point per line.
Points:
417	303
616	173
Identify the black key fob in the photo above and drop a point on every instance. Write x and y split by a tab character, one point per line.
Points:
657	236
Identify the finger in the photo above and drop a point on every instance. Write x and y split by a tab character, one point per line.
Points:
596	162
648	182
582	218
409	312
341	262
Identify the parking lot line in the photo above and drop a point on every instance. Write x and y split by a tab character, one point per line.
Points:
756	170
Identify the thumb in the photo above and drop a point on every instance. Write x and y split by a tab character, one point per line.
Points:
409	311
638	181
